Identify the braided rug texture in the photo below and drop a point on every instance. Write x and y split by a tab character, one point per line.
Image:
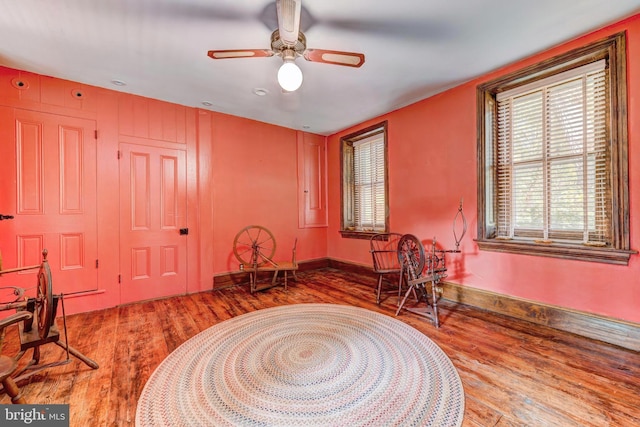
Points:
305	365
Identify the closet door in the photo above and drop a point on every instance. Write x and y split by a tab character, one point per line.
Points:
312	181
153	210
48	184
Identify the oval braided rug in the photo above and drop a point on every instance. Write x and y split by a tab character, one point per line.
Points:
305	364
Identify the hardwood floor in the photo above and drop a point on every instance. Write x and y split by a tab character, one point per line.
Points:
514	373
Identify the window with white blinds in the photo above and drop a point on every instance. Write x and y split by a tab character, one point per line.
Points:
369	184
364	182
552	159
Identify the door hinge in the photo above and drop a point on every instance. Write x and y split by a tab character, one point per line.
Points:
119	278
96	263
95	134
119	154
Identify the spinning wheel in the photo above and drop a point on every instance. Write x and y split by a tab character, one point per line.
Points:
41	309
254	246
44	302
413	259
411	255
421	269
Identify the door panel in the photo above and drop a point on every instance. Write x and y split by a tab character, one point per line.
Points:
48	178
312	209
153	208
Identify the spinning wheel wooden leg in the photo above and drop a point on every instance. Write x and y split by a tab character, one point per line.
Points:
404	299
434	303
87	361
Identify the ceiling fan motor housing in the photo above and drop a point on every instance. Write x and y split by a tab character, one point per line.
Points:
278	46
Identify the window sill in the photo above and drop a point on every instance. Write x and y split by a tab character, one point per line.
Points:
565	251
351	234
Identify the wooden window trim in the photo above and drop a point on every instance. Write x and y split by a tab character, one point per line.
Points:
612	48
349	140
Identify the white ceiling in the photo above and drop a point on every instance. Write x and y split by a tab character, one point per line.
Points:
413	49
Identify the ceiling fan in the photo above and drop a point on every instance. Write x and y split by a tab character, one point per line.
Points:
288	42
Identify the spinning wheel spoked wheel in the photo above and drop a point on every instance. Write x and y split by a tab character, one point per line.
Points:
44	301
411	255
254	246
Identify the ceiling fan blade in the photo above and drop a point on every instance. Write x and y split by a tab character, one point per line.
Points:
336	57
239	53
289	20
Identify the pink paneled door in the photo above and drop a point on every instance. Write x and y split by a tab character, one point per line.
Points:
312	159
153	210
48	184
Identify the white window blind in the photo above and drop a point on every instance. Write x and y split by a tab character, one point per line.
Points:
369	183
552	164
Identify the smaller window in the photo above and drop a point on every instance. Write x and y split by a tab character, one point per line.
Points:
365	208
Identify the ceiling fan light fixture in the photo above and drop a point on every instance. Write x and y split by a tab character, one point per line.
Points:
289	76
289	43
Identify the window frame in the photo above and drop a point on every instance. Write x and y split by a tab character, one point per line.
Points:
347	209
613	49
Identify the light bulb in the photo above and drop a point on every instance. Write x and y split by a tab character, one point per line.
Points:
289	76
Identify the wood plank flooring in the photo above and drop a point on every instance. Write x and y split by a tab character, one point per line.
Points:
514	373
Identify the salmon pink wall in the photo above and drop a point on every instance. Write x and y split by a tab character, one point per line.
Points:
254	182
239	172
432	166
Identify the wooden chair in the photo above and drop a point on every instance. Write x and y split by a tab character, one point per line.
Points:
8	364
384	251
